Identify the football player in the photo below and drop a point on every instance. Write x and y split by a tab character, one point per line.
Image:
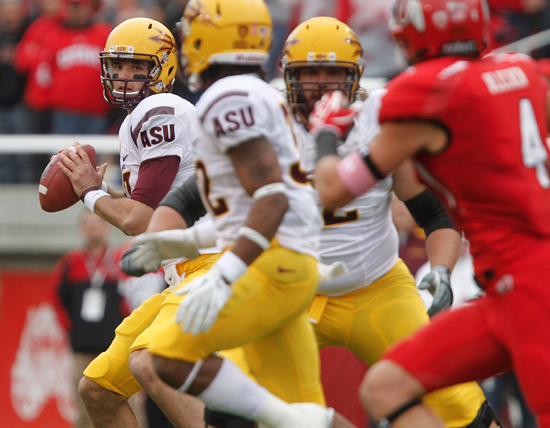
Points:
257	293
476	125
376	302
138	67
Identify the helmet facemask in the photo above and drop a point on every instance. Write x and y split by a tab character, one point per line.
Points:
122	97
143	41
302	95
320	43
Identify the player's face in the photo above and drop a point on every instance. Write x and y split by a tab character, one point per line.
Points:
316	81
129	69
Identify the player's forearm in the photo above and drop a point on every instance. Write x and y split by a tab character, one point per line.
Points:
332	191
443	247
130	216
166	218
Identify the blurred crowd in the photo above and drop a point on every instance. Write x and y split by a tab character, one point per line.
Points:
49	66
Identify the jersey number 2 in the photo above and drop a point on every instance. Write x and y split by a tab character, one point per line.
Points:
532	147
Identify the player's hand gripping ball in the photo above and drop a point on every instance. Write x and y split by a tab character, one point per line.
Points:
55	191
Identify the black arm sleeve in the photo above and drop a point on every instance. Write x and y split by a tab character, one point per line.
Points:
428	212
186	200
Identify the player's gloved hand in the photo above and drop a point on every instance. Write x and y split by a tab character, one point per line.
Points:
333	113
331	271
128	266
171	275
153	248
208	294
438	283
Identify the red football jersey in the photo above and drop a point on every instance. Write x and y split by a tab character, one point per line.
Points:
493	174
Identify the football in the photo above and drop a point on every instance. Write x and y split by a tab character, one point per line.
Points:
55	190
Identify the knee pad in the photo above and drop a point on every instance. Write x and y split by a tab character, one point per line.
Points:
141	318
386	421
485	417
226	420
113	373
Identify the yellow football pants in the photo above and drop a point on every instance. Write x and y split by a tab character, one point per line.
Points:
368	321
110	369
266	315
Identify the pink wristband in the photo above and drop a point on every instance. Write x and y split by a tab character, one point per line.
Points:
355	174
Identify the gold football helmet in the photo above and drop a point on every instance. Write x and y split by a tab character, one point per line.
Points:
320	42
234	32
139	39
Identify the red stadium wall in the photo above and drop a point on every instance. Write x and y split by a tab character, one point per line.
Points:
35	365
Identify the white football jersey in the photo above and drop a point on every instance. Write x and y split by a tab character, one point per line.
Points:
362	233
158	126
233	110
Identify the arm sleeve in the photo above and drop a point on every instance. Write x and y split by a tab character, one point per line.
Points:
186	200
428	212
155	179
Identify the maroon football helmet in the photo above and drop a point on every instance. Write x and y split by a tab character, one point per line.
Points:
431	28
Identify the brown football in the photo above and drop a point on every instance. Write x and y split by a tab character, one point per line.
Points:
55	190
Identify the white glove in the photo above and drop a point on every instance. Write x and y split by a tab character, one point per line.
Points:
171	275
331	271
168	244
438	283
208	294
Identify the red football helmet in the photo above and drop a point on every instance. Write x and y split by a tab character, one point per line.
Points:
430	28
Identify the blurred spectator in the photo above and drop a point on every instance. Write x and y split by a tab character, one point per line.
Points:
75	93
371	24
88	294
33	59
13	23
173	11
369	20
280	13
117	11
14	168
512	20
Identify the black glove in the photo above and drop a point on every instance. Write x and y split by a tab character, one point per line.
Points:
438	282
127	264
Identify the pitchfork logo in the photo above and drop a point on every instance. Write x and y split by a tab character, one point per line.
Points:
168	44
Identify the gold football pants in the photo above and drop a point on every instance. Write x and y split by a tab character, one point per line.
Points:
110	369
368	321
267	316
